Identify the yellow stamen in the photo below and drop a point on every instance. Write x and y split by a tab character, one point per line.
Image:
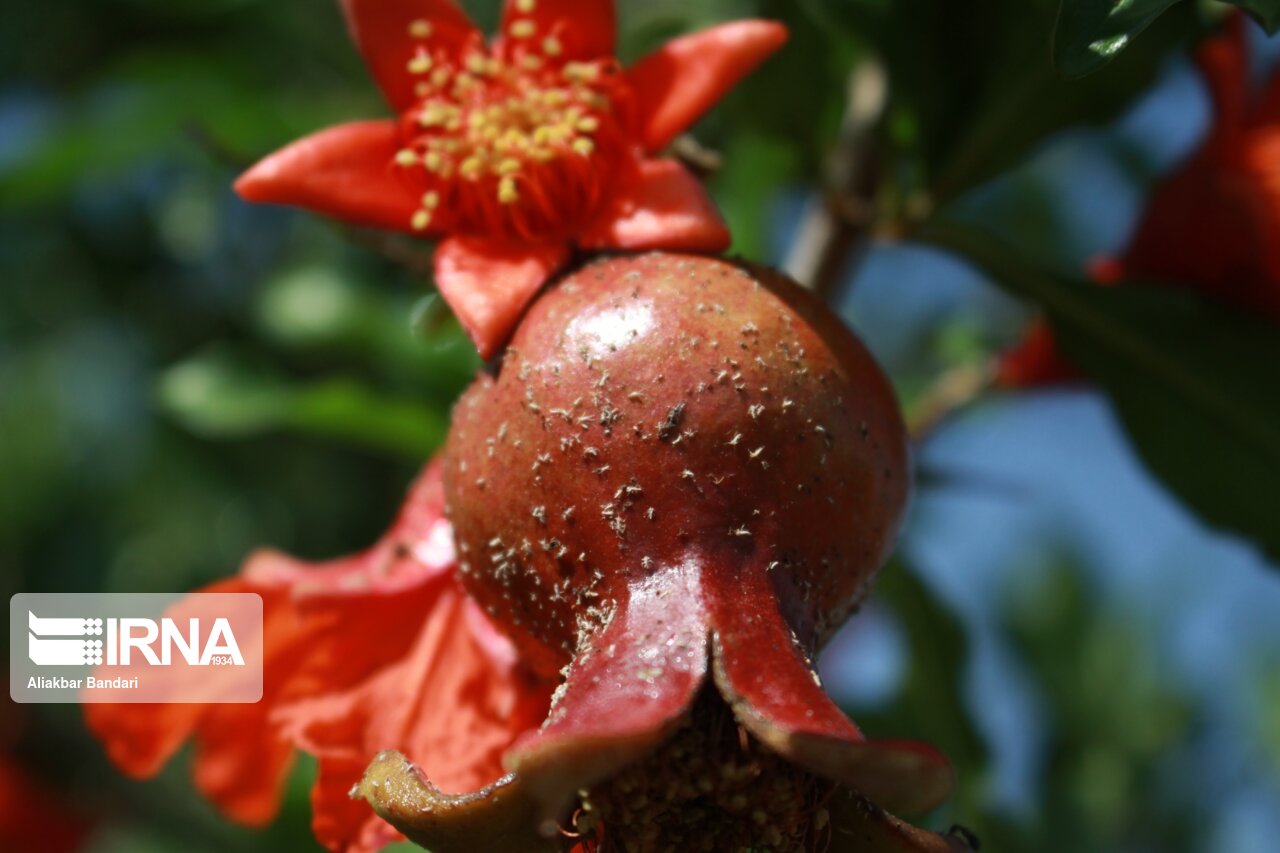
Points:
522	29
433	115
580	72
507	192
487	124
525	6
420	28
514	140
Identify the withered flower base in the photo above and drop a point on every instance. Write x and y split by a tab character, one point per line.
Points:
710	787
679	482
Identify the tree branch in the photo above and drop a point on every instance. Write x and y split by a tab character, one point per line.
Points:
836	226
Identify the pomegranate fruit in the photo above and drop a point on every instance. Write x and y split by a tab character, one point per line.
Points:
681	467
666	410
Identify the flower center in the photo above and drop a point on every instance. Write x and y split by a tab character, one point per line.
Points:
514	142
710	787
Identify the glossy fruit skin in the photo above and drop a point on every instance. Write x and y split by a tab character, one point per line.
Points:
657	409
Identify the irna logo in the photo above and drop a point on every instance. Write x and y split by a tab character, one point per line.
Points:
62	641
191	648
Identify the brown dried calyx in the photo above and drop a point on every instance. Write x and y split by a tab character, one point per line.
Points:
710	787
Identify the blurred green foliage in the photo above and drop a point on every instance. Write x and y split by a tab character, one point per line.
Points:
1118	730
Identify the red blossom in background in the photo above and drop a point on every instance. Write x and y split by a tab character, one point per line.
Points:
382	650
1212	226
515	151
33	819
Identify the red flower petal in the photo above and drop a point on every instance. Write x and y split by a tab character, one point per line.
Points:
623	694
771	686
1223	60
488	283
346	171
664	207
450	704
681	80
389	33
240	763
236	764
1106	269
584	29
1035	361
352	646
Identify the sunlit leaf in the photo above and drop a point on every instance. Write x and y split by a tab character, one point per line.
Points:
1090	33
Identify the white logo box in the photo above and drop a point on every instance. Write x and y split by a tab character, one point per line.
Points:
143	647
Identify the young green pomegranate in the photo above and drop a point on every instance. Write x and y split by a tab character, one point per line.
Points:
679	480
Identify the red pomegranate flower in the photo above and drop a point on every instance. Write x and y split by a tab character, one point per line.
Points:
1213	225
515	151
382	650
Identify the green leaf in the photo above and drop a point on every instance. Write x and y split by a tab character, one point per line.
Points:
1089	33
976	90
221	394
1265	12
1193	382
